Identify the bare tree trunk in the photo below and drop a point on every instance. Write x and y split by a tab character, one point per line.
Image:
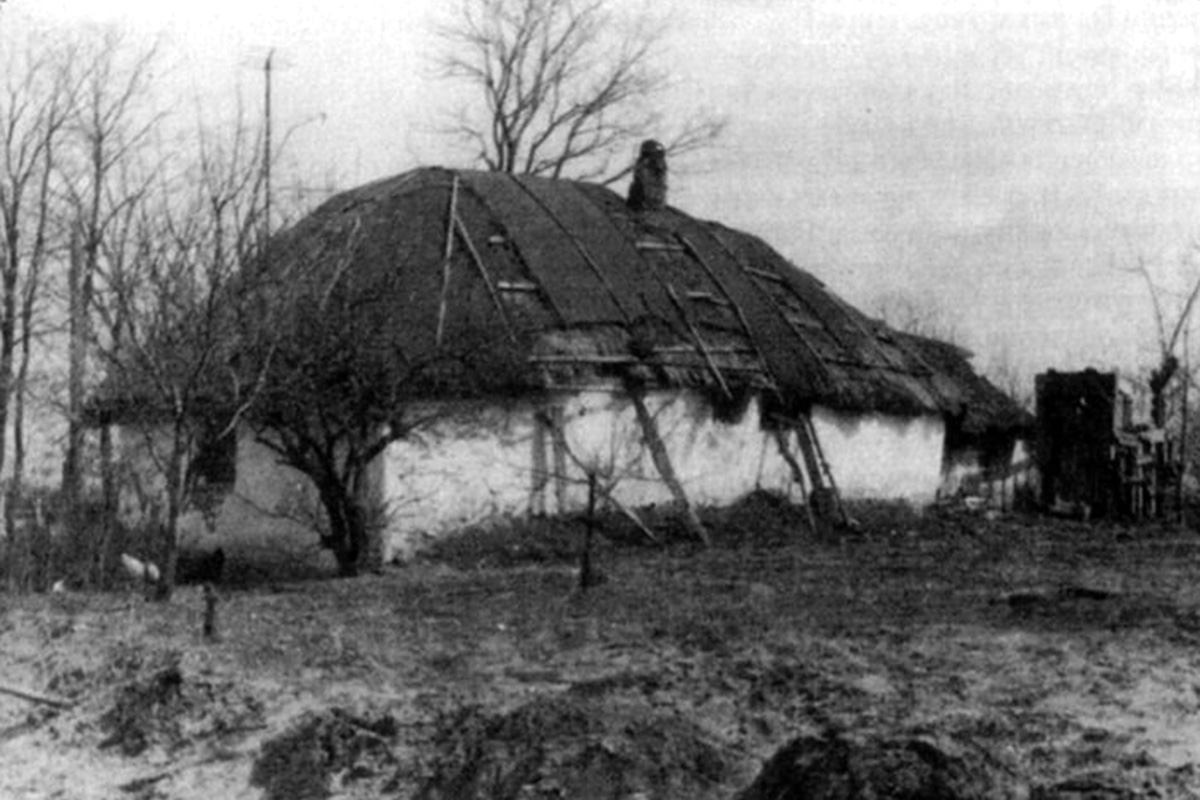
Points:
79	304
8	346
1160	379
347	527
8	280
110	133
108	517
14	498
72	477
176	497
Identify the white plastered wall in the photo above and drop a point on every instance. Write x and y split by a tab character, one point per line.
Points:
880	456
488	463
482	462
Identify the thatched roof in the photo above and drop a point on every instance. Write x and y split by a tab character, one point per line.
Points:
985	407
586	288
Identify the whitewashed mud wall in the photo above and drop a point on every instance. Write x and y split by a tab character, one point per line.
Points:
488	463
485	462
880	456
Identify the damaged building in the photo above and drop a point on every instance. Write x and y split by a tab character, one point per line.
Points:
680	361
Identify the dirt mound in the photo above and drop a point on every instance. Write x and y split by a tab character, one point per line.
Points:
301	763
162	708
571	747
841	767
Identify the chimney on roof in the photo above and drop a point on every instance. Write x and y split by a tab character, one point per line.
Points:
648	190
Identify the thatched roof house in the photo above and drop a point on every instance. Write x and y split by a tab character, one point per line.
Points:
675	357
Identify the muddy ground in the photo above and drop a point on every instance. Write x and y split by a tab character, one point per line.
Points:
1019	656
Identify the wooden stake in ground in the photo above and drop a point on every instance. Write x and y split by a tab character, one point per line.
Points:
210	612
589	576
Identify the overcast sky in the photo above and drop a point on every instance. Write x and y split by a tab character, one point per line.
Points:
1002	159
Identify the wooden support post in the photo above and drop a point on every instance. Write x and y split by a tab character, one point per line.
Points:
829	501
811	462
797	474
559	460
662	462
541	470
552	421
824	496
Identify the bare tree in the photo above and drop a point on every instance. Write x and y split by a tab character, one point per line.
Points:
1003	372
338	390
331	404
170	281
110	125
920	315
563	87
1170	326
36	102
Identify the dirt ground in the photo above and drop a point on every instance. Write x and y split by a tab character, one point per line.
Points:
1060	658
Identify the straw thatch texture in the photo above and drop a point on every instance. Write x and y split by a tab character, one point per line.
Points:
581	288
983	407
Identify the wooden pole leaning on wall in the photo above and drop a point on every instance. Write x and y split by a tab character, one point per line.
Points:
662	462
823	501
828	499
781	439
448	253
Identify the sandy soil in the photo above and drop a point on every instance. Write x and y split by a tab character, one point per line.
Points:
1067	652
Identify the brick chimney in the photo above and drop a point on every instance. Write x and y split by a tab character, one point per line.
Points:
648	190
